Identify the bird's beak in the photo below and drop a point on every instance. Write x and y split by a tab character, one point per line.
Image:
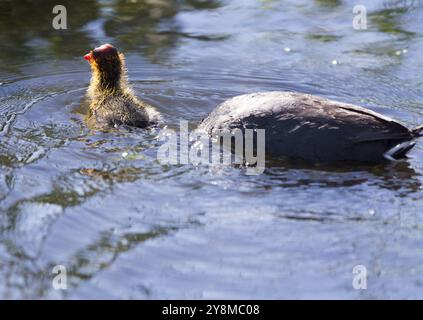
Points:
88	56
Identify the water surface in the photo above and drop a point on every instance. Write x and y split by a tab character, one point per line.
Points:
132	228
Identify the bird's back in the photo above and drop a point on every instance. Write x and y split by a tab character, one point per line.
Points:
310	127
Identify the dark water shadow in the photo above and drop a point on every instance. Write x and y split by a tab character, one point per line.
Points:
143	26
396	176
392	16
152	27
27	32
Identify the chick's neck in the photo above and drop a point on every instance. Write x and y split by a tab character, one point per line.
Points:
107	79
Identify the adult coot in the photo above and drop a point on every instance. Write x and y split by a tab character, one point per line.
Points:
315	129
112	102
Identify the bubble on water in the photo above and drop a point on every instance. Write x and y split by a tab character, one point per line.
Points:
287	49
372	212
404	50
398	52
125	154
335	62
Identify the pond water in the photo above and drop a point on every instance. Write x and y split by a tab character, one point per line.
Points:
129	227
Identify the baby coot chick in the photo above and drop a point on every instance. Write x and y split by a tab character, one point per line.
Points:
315	129
112	102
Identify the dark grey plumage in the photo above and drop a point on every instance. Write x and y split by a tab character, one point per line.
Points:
314	129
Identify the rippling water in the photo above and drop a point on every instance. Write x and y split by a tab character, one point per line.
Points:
128	227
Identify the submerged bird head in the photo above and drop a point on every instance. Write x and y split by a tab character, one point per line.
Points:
108	70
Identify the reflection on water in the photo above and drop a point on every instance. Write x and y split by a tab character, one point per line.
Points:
27	30
389	20
127	227
149	26
397	176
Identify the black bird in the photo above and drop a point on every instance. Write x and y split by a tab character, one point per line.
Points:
315	129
